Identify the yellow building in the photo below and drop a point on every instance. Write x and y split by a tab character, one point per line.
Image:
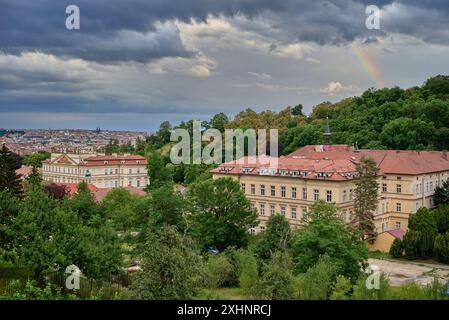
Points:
407	181
103	171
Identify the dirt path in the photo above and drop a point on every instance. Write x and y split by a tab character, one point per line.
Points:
400	272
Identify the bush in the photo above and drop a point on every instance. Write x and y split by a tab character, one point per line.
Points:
409	291
277	278
342	289
248	273
441	247
217	270
316	283
397	248
361	291
410	243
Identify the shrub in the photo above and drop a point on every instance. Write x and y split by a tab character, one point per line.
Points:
248	273
316	283
397	248
410	243
361	291
342	289
441	247
218	268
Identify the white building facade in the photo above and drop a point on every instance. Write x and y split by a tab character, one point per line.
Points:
103	171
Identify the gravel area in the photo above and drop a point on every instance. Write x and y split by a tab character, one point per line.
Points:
400	272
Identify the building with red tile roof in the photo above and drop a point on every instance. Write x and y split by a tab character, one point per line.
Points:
291	184
103	171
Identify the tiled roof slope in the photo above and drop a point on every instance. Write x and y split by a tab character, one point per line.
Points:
389	161
337	162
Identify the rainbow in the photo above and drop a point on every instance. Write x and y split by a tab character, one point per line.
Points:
368	65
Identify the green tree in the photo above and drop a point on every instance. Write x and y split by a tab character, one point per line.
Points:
83	202
277	237
119	205
297	110
366	197
159	173
317	282
441	196
35	159
221	214
219	121
171	267
342	289
218	269
9	209
441	247
34	179
327	234
397	249
407	134
100	256
248	273
410	242
9	179
45	236
166	206
276	282
164	132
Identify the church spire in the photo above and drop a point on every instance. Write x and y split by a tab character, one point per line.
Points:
327	133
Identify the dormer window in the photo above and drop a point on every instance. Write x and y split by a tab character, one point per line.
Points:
247	170
105	162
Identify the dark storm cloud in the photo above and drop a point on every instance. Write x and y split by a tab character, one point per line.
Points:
119	30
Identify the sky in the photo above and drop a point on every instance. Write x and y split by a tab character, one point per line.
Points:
135	63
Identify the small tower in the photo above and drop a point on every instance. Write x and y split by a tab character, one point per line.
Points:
327	133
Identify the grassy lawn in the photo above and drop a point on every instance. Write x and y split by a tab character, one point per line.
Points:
379	255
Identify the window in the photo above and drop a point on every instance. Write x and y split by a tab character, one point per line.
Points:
398	188
283	192
262	209
294	192
351	195
283	210
316	195
272	210
384	187
243	187
130	171
344	195
138	170
383	227
329	196
304	212
253	189
417	189
273	191
398	225
138	183
304	193
398	207
262	189
293	212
